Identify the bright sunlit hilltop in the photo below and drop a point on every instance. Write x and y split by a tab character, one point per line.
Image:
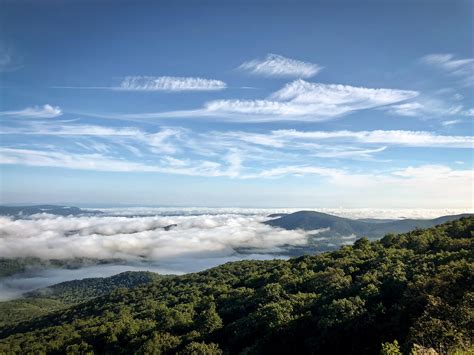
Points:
263	104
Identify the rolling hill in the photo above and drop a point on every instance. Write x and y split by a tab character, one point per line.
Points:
311	220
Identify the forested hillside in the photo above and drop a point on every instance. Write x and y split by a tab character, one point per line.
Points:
374	228
414	288
64	294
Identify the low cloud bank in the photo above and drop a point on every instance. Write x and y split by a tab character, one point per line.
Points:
353	213
202	238
139	238
197	242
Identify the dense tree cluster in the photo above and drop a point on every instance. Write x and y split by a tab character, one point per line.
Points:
404	292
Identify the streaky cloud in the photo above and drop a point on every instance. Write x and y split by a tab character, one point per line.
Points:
170	84
459	68
297	101
45	111
389	137
274	65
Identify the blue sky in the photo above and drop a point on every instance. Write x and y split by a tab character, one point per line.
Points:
237	103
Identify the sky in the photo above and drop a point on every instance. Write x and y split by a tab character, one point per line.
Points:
237	103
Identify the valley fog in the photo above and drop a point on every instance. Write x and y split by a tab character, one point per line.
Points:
163	240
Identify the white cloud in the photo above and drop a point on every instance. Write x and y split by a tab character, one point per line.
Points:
159	141
170	83
419	186
46	111
354	213
234	162
348	152
298	100
299	170
462	69
235	154
411	109
97	162
48	129
303	92
194	237
450	122
278	66
203	238
469	112
101	162
388	137
427	108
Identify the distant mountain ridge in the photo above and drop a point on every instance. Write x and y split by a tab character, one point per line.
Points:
312	220
24	211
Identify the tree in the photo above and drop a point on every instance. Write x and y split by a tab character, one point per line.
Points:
160	343
208	320
195	348
390	349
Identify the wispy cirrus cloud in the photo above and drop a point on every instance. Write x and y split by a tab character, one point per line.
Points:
274	155
469	112
441	104
274	65
302	100
101	162
61	129
299	100
427	108
423	183
170	84
344	97
459	68
386	137
45	111
344	152
276	145
235	154
451	122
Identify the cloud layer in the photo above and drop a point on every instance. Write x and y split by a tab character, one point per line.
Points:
170	83
203	238
387	137
45	111
142	238
459	68
299	100
278	66
235	154
196	243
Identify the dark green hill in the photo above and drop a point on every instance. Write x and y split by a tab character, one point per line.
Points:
64	294
79	290
416	288
311	220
